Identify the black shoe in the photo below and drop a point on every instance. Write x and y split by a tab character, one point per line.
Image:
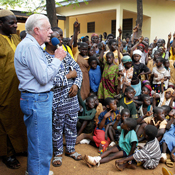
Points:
11	162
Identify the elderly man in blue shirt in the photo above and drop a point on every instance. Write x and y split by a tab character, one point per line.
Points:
36	81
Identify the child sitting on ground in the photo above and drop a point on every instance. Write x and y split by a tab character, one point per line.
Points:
109	81
172	102
111	132
86	121
145	108
158	120
127	102
165	97
125	71
106	117
146	90
127	144
149	155
99	109
168	141
167	110
94	74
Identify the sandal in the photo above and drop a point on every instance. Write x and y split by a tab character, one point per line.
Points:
11	162
169	163
56	158
74	156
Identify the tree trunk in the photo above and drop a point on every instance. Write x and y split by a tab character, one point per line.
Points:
51	12
139	16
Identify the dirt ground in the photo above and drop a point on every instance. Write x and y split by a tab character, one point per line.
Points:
72	167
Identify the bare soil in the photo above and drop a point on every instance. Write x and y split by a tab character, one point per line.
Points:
72	167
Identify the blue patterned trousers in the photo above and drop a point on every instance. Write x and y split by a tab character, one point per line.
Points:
66	123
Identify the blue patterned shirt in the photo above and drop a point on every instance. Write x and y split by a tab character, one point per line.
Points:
62	103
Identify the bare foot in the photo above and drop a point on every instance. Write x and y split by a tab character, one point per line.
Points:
86	161
162	160
79	138
119	166
91	160
173	157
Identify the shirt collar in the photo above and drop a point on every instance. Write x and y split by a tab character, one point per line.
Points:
29	36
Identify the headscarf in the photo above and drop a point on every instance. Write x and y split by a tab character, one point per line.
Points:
126	59
149	87
145	81
4	13
171	86
138	52
142	45
94	34
169	89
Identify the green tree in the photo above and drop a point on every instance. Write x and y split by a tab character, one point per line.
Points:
37	6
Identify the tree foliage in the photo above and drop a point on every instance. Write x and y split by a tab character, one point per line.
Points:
11	3
39	6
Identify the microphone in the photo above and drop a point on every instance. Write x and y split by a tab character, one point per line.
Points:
55	42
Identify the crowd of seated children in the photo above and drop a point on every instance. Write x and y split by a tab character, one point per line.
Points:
126	145
110	130
134	81
149	155
126	101
106	117
158	120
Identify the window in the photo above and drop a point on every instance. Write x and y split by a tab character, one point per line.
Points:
90	27
127	28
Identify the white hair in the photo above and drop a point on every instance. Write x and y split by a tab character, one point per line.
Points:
35	20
